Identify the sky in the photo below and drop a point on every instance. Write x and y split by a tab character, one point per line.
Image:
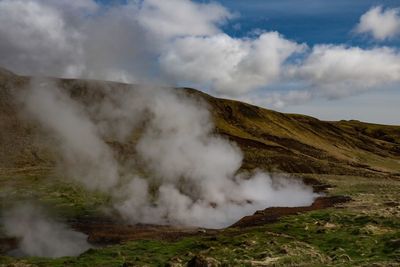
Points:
329	59
310	21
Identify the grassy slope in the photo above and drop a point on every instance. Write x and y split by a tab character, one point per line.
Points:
359	159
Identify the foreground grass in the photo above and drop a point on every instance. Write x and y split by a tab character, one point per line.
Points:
363	232
318	238
62	197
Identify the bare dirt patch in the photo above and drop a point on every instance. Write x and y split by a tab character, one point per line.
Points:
270	215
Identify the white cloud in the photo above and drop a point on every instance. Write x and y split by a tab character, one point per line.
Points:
82	39
181	41
338	71
231	66
123	43
181	17
333	72
381	24
35	37
72	8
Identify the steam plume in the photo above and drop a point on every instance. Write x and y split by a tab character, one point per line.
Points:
192	175
40	235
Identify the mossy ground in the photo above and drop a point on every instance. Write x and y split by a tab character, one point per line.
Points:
63	197
363	232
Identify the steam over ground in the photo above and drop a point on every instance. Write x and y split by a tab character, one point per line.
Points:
182	173
40	235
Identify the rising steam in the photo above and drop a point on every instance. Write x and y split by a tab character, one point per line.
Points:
41	236
182	174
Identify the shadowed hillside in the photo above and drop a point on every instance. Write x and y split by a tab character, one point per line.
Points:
271	140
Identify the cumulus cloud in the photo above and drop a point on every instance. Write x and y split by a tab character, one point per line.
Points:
84	39
230	66
72	39
333	72
124	42
381	23
36	38
338	71
181	17
181	42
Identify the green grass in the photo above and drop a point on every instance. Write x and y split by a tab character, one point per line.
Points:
319	238
342	236
63	197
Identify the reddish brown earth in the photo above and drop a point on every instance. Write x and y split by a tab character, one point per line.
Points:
270	215
7	244
110	232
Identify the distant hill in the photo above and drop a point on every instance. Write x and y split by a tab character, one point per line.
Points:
270	140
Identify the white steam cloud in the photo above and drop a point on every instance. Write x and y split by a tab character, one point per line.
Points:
78	139
41	236
192	175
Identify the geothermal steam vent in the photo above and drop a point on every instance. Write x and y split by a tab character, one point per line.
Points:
181	172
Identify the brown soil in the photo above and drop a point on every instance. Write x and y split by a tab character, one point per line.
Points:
7	244
111	232
271	215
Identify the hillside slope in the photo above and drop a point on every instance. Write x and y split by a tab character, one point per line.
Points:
271	140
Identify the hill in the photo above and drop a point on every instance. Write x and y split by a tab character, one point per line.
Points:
276	141
351	158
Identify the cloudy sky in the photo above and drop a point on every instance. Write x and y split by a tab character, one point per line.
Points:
329	59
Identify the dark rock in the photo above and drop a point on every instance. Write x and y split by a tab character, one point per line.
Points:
394	244
391	204
201	261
